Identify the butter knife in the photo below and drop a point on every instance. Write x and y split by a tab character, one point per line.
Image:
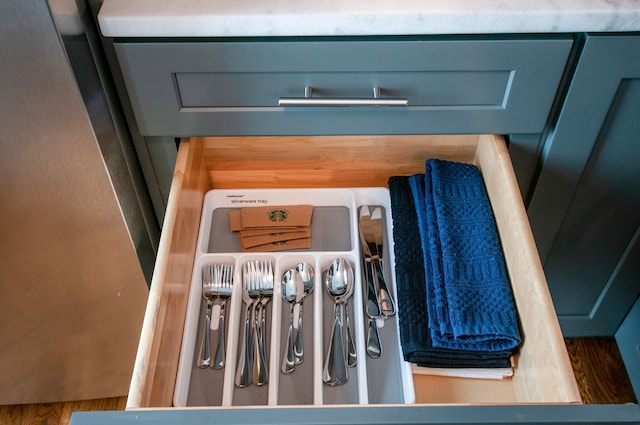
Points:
374	346
373	306
387	306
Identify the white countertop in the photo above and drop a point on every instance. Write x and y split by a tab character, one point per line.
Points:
237	18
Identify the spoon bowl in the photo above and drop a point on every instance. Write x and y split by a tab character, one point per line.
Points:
306	274
339	280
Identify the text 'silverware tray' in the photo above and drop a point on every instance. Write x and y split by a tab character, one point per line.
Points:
334	230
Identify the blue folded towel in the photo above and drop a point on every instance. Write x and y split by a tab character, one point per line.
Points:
413	323
469	297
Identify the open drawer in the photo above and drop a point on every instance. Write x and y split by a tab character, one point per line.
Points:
543	373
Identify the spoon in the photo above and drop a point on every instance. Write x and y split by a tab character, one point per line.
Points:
292	294
352	357
339	283
305	272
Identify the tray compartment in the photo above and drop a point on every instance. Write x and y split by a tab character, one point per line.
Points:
384	373
207	383
301	387
355	390
330	230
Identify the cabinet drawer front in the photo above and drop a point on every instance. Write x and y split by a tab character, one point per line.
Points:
450	86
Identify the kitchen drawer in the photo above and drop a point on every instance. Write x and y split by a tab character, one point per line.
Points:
543	373
463	85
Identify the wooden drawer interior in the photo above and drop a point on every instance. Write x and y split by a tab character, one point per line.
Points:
543	372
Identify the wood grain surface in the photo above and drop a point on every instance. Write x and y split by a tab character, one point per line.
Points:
598	368
55	413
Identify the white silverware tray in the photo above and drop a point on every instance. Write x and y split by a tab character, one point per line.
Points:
334	230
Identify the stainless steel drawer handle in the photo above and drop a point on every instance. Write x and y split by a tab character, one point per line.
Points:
308	100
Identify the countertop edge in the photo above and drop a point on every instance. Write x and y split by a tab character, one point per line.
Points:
117	20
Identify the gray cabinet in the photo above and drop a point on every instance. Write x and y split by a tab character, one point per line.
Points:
456	85
585	209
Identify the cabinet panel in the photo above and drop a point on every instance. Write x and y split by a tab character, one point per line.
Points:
584	211
451	86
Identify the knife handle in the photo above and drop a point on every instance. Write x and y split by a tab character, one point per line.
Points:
374	346
387	306
373	306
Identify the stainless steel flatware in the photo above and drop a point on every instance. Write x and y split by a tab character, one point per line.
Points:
387	305
380	304
339	283
292	293
371	234
244	371
257	282
208	293
265	279
372	308
223	286
306	275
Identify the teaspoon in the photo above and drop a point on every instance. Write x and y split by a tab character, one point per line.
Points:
305	272
339	283
290	294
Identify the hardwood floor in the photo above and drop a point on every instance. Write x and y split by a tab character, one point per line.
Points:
55	413
596	363
598	368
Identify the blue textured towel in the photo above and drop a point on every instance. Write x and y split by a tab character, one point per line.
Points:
415	335
469	297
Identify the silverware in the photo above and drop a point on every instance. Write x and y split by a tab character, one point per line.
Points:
371	231
372	308
223	276
217	282
265	283
257	281
291	293
306	275
208	293
244	371
387	306
339	283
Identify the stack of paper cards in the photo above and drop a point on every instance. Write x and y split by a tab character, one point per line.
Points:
272	228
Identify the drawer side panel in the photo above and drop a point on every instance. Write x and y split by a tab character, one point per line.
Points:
156	362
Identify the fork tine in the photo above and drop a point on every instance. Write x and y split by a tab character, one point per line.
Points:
270	277
229	278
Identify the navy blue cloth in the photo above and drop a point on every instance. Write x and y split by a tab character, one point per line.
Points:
469	297
413	313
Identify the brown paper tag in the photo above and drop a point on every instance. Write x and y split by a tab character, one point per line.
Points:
250	241
276	216
269	230
281	246
235	220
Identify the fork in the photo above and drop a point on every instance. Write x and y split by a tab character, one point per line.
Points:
224	287
250	293
265	284
209	294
